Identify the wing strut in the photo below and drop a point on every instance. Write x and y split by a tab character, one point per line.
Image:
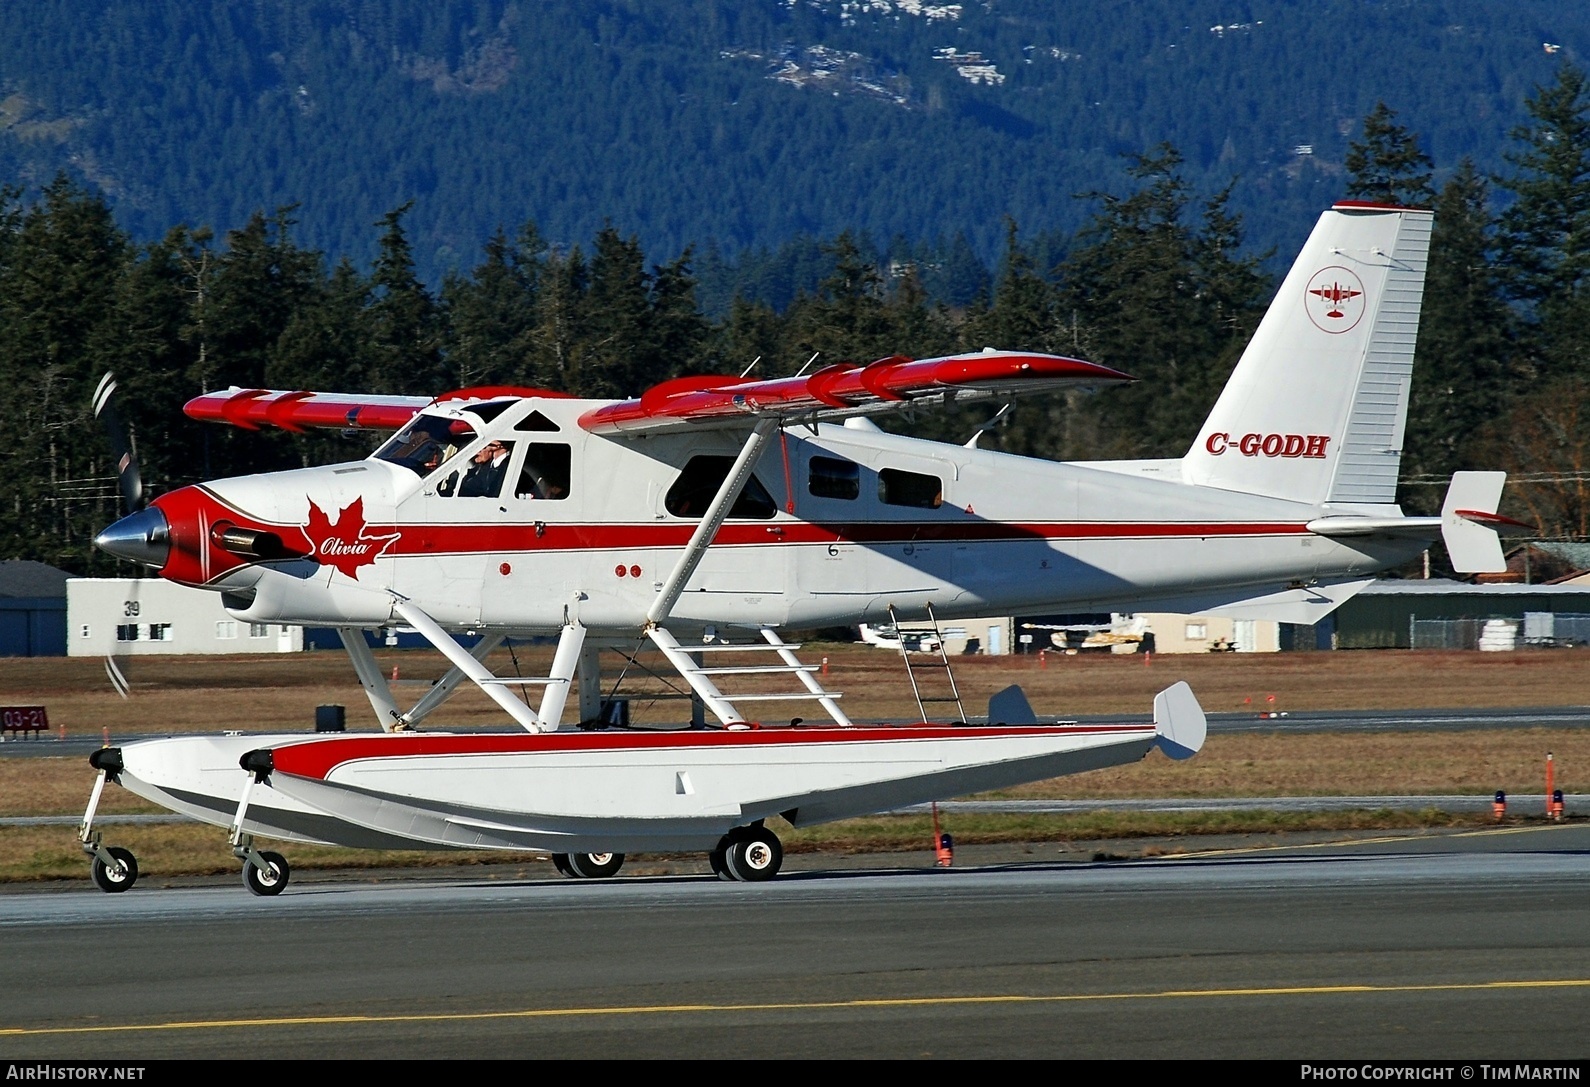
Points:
443	688
472	668
733	484
374	683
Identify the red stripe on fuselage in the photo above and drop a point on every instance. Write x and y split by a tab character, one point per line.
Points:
318	758
439	539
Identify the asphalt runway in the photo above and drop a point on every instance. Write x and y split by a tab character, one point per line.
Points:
1473	945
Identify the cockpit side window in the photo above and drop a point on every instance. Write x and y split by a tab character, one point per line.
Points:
483	476
545	472
426	443
696	486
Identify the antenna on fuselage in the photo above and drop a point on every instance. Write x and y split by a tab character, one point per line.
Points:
751	367
809	361
971	443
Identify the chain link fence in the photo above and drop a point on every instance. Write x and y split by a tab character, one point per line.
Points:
1537	629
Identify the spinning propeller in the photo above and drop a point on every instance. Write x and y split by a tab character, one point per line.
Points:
142	535
128	481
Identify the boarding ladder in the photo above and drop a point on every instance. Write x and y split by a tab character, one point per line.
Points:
688	663
942	664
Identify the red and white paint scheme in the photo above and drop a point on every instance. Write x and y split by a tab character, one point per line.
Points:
579	794
718	504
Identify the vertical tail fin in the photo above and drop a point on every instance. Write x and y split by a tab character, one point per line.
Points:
1316	407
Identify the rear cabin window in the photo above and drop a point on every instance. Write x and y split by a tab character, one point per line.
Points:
829	477
899	488
698	484
545	472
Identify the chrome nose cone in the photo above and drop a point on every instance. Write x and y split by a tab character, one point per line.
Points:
143	537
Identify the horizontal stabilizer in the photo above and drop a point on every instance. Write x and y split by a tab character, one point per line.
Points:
1302	604
1469	520
1010	707
1179	720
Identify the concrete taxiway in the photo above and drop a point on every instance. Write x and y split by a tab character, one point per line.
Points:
1447	946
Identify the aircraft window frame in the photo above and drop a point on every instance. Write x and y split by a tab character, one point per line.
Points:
833	477
912	490
705	474
425	437
548	480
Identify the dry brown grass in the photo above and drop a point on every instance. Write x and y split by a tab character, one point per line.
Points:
185	694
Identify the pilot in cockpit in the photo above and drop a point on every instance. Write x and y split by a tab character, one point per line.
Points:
486	472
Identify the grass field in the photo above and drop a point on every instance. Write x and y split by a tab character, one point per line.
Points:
181	694
194	694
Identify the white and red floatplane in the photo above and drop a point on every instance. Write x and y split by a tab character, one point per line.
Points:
763	506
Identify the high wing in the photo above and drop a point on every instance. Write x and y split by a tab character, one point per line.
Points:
842	390
700	401
301	410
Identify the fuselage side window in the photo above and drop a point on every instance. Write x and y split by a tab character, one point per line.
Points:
426	443
696	486
830	477
901	488
545	473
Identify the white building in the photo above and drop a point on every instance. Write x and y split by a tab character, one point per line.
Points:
152	615
1209	633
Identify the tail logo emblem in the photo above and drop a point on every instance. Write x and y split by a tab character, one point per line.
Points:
1335	300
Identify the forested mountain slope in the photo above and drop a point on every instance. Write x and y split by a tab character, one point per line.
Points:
740	122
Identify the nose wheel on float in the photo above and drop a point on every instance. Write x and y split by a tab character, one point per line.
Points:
264	873
113	868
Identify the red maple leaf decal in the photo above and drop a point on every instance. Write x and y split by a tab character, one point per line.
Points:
344	545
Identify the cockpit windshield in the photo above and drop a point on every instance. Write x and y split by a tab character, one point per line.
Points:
427	443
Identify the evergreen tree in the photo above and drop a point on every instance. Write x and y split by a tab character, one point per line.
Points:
558	340
405	321
1465	348
257	284
59	290
619	359
1545	234
1386	165
491	315
1022	316
1140	285
845	319
679	332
